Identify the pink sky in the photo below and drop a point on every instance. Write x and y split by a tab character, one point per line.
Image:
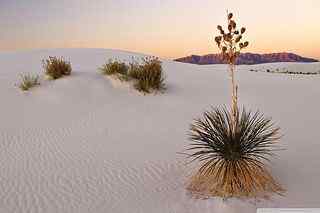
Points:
167	28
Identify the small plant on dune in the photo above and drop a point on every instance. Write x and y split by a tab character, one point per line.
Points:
149	75
233	156
28	81
56	68
113	67
233	147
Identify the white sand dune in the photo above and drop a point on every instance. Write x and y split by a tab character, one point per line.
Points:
286	67
80	144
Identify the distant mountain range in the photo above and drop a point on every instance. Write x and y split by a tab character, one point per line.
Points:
246	58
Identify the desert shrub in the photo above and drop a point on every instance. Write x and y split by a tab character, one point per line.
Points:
114	67
233	161
149	75
135	69
28	81
56	67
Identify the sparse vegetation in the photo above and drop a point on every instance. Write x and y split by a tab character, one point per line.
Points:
28	81
114	67
233	160
56	68
287	72
148	75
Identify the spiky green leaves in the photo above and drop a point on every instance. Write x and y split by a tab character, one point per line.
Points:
234	161
254	137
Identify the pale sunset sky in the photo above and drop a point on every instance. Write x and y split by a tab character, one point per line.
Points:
166	28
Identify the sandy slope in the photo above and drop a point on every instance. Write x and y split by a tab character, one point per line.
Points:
80	144
285	67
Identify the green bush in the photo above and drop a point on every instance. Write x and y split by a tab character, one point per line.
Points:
28	81
114	67
149	75
56	67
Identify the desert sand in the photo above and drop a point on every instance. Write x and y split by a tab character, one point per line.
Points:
83	144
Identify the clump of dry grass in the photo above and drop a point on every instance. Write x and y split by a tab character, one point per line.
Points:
233	162
114	67
55	67
147	75
28	81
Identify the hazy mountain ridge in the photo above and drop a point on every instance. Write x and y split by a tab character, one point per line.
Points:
246	58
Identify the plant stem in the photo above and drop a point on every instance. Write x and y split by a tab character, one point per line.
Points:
234	98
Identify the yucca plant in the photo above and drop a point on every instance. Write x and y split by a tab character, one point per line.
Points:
231	146
55	67
28	81
233	161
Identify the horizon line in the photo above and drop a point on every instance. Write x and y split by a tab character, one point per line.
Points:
147	53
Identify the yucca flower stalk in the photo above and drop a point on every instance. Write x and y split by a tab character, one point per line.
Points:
230	43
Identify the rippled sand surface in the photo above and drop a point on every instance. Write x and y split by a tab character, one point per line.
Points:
86	144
